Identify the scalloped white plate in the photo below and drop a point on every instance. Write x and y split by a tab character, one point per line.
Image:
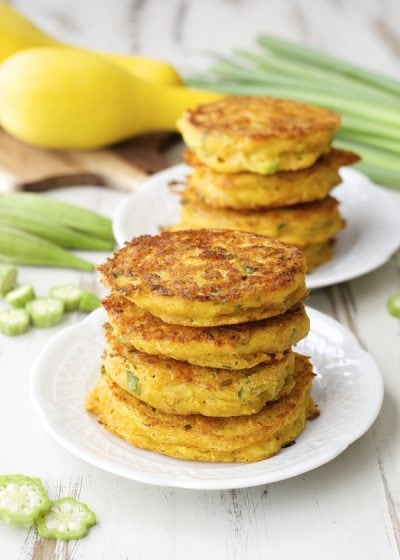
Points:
371	236
348	389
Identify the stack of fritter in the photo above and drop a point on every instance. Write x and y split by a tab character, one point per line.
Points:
198	361
266	166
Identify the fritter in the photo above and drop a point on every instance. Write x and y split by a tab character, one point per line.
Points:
317	254
252	191
231	347
177	387
312	222
207	277
259	134
201	438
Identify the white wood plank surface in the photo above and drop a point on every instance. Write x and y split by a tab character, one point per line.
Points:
348	509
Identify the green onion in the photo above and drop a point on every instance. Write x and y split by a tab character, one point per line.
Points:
380	175
372	154
369	103
355	107
316	76
300	53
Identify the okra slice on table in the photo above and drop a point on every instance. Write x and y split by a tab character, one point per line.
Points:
89	302
67	519
22	500
45	312
69	294
8	278
19	297
14	321
393	305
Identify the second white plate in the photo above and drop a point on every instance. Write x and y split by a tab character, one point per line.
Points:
371	236
348	389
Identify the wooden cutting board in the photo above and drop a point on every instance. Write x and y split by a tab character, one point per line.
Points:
122	166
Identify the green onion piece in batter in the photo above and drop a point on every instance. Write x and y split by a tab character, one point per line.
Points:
244	393
132	381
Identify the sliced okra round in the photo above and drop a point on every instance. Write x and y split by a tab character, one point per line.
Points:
89	302
67	519
14	321
45	312
19	297
69	294
22	500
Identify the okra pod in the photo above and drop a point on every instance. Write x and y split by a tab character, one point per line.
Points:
70	215
20	247
52	230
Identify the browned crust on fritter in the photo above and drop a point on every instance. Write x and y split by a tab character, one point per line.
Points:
261	118
151	328
183	371
254	427
339	158
333	159
318	254
298	213
206	265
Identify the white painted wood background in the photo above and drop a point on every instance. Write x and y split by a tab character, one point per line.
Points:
348	509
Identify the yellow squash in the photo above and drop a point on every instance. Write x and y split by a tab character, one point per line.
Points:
68	98
18	33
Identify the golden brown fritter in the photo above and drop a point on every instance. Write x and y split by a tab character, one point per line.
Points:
201	438
207	277
317	254
177	387
252	191
258	134
312	222
235	346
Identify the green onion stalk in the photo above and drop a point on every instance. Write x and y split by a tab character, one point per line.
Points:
368	102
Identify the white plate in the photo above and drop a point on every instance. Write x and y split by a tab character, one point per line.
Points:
348	390
371	236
